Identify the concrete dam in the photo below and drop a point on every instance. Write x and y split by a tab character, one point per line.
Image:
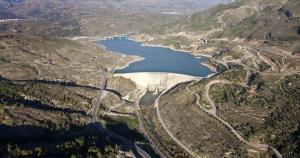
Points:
156	80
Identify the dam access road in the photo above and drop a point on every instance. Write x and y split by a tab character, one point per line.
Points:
145	74
94	111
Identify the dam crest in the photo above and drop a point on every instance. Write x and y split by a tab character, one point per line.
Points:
156	80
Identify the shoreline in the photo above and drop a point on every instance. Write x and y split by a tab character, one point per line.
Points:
210	67
162	46
169	47
144	44
138	58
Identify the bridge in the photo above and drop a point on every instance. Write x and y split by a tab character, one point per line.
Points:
156	80
120	36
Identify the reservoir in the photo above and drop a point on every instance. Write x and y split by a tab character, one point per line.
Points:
156	59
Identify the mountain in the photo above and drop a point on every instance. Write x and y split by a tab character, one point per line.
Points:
254	45
50	70
76	18
40	8
167	6
259	19
274	22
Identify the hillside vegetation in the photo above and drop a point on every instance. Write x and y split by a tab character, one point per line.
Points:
272	19
51	70
254	46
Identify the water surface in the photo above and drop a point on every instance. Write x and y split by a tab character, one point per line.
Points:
157	59
149	98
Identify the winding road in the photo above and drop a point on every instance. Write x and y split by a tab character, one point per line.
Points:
137	96
94	111
213	110
269	62
184	147
213	113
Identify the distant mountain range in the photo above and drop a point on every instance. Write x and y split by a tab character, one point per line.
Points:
160	6
94	17
40	8
258	19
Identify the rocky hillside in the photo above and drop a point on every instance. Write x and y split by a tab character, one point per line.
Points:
272	19
168	6
276	21
102	17
48	79
273	22
48	119
47	85
255	47
76	18
35	8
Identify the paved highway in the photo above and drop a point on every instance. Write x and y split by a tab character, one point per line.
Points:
137	97
94	111
125	141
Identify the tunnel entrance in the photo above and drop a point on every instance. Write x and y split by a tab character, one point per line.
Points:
298	31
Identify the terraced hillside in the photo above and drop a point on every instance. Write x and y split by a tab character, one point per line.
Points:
58	97
274	22
221	17
261	112
49	81
254	47
257	20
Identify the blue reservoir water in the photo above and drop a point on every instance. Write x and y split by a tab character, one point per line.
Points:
157	59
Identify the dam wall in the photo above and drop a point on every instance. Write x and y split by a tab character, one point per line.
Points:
156	80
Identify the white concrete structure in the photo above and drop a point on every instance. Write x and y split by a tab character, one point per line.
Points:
156	80
9	20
